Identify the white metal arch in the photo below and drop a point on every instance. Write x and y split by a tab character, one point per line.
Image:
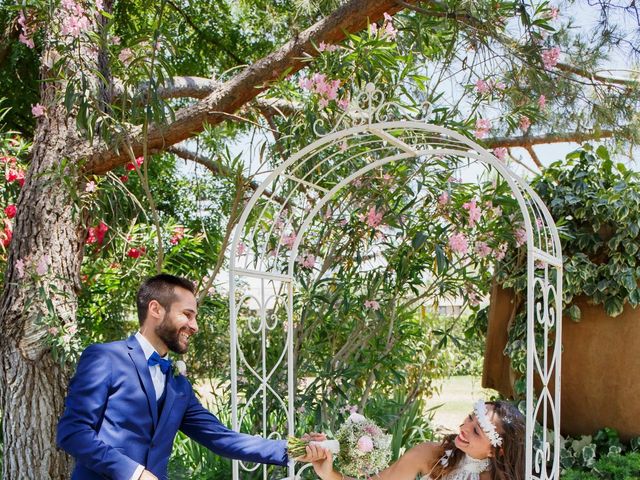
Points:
271	272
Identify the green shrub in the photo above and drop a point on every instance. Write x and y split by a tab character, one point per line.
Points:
610	467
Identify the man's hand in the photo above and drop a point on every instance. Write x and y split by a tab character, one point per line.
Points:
314	452
147	475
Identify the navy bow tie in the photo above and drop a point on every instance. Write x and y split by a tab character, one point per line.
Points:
156	359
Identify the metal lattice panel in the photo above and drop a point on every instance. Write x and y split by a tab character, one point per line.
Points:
300	189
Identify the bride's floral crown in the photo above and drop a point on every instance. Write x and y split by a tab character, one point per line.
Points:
489	428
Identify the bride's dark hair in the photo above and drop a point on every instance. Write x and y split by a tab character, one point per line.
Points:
507	461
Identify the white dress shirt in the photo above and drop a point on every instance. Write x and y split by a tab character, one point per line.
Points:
157	377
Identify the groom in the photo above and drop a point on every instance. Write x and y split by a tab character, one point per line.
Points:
125	405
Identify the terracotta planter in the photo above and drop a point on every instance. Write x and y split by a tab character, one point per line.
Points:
600	366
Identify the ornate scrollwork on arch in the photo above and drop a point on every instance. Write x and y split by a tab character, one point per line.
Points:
365	108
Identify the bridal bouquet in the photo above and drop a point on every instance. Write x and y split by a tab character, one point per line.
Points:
362	448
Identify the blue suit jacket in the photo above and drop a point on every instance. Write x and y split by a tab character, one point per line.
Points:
110	423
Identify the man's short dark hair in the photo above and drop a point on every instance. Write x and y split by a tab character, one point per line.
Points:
160	288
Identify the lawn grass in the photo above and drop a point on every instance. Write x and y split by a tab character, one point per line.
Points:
457	397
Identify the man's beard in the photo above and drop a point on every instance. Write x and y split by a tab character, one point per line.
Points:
168	333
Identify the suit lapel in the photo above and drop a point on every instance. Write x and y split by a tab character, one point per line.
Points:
139	360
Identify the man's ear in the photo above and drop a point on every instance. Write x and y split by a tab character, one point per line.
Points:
155	310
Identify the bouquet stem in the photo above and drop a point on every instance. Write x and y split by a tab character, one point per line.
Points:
297	447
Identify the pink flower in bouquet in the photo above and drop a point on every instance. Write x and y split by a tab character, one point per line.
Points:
373	430
365	444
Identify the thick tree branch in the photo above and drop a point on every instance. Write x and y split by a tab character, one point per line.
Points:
217	169
534	156
595	77
244	87
201	88
565	137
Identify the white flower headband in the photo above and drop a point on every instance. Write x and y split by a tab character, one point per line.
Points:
489	428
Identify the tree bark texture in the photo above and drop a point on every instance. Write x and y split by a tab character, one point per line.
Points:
43	266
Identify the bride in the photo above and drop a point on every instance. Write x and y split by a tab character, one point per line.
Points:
490	446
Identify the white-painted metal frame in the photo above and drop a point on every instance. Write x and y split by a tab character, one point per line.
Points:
314	173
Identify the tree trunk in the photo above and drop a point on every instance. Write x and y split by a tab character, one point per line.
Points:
33	393
46	237
42	281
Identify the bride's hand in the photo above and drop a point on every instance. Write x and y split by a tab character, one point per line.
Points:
323	466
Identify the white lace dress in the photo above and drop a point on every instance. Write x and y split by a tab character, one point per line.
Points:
467	469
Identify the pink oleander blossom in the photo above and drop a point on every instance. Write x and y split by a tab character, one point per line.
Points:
474	211
524	124
542	102
501	251
483	126
373	218
458	243
327	47
307	260
551	57
90	187
25	36
521	236
554	13
43	265
482	87
37	110
372	304
288	240
500	153
178	235
19	266
482	249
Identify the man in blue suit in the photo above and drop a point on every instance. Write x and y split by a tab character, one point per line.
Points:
125	406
